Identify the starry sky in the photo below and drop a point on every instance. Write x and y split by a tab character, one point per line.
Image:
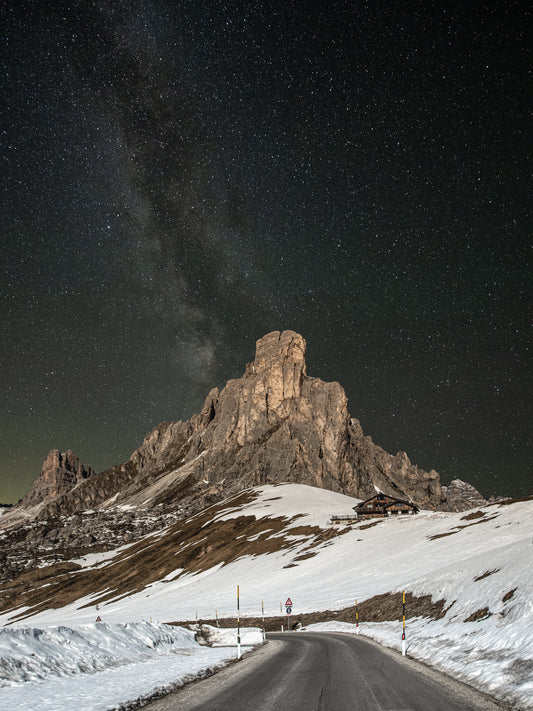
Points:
181	177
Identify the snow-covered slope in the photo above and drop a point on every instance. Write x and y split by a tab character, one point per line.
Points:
283	545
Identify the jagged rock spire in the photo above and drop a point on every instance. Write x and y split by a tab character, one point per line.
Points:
60	473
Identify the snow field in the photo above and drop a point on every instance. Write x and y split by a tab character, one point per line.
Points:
100	666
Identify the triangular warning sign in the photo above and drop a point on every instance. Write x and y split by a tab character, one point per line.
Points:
289	602
98	619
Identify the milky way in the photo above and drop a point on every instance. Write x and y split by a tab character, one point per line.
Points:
182	177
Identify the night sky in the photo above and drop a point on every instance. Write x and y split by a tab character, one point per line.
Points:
181	177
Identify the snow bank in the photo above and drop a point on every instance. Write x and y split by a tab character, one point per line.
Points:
227	637
97	667
30	653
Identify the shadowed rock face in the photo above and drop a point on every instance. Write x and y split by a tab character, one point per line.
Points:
274	424
458	492
60	473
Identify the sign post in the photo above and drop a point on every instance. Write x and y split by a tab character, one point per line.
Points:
403	630
238	626
288	611
356	619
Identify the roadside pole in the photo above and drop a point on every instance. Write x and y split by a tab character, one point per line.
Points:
288	612
216	617
281	613
238	626
403	631
263	620
356	619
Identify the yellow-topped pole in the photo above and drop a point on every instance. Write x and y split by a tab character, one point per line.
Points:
356	618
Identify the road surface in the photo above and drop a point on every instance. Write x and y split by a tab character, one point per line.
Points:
322	671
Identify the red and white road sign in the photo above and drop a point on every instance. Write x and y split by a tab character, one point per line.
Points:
288	603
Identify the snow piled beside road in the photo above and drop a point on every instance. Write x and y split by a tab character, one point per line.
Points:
226	636
97	667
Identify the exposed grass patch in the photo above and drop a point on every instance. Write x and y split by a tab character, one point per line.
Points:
480	520
480	614
472	516
509	595
368	525
441	535
486	575
305	556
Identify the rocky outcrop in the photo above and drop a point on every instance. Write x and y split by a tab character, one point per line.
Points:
274	424
460	496
277	424
61	472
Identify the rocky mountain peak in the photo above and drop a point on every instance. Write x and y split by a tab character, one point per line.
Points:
278	349
278	370
60	473
274	424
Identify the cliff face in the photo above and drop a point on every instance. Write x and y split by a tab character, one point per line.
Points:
60	473
277	424
274	424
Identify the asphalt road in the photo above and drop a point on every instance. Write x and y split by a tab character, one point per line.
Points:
317	671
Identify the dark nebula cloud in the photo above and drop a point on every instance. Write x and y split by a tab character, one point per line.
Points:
182	177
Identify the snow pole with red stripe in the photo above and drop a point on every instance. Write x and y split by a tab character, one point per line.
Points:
403	629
